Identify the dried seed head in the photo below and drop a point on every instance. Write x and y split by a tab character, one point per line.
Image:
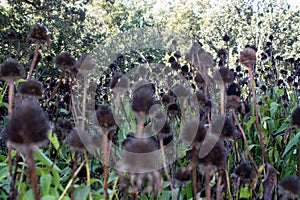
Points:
234	89
243	171
119	82
233	102
74	141
65	60
199	79
31	88
11	34
85	63
244	108
183	175
228	127
105	116
225	73
142	99
215	159
295	118
193	133
37	35
28	126
63	127
11	70
248	57
288	187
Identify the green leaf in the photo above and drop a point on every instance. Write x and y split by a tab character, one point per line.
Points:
274	108
45	182
49	197
53	139
82	192
143	197
283	127
245	193
64	111
293	142
45	160
28	195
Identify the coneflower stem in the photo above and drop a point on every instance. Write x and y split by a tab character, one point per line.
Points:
12	192
218	190
298	162
10	108
178	195
71	181
245	139
73	175
261	138
84	102
194	173
165	166
207	187
35	56
32	172
105	163
140	126
222	99
62	75
88	177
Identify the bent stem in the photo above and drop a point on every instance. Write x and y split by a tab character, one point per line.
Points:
35	56
71	181
32	172
194	173
165	166
105	170
207	187
62	75
88	177
261	138
245	139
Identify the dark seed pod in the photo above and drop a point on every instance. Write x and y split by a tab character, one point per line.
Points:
37	35
193	133
244	108
74	141
183	175
27	127
11	34
64	60
243	171
295	118
226	75
11	70
288	187
248	57
105	116
226	38
142	99
234	89
119	82
31	88
63	127
233	102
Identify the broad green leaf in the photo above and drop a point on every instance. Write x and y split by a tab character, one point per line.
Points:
293	142
49	197
53	139
283	127
274	108
45	182
245	193
45	160
28	195
82	192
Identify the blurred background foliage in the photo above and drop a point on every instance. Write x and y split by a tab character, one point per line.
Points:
78	26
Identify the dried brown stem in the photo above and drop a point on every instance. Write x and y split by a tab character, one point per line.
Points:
62	75
33	63
32	172
105	170
207	187
194	173
245	139
261	138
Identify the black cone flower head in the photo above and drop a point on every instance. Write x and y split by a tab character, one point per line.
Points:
248	57
295	118
28	126
11	70
37	35
143	99
65	60
105	116
288	187
31	88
